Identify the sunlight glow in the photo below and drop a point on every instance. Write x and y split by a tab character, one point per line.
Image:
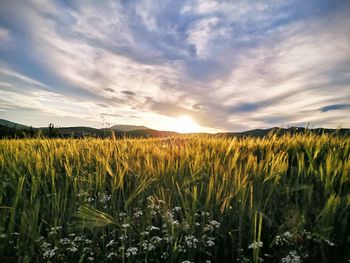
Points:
185	124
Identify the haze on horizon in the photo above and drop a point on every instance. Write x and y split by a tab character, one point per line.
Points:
215	65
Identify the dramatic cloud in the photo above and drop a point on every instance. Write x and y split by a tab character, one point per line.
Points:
4	36
129	93
230	65
335	107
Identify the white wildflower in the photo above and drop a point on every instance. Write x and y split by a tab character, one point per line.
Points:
52	233
131	251
45	245
287	234
308	234
191	241
168	238
72	249
329	243
50	253
153	213
278	240
112	254
123	237
111	243
104	198
156	239
151	228
87	241
79	238
125	225
255	245
214	223
147	246
138	214
56	228
65	241
90	199
153	207
292	257
208	227
210	242
177	208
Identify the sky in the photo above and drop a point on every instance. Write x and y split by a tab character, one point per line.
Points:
227	65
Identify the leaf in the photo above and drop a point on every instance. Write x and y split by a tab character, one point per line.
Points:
95	218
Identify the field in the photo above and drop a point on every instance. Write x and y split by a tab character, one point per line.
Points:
178	199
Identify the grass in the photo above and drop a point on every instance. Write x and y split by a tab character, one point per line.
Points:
184	198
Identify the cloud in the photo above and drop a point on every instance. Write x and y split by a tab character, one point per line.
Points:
335	107
128	92
111	114
200	34
197	106
108	89
6	85
4	36
9	73
102	105
229	65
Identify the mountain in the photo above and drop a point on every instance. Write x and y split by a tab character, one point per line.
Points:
281	131
127	128
10	129
11	124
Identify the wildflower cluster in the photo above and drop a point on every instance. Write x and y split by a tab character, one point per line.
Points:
285	239
157	231
67	248
255	245
292	257
102	200
298	244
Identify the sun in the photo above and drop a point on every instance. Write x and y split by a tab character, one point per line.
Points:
185	124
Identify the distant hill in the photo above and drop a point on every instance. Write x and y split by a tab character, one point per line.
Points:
281	131
10	129
11	124
127	128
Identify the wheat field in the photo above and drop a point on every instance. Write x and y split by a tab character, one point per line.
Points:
176	199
